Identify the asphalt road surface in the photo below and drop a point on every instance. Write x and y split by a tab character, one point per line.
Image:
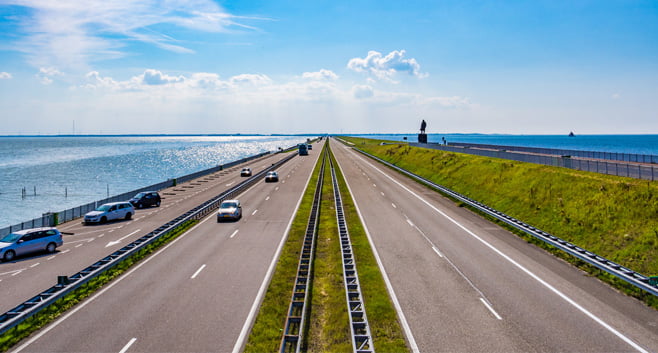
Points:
196	294
29	275
464	284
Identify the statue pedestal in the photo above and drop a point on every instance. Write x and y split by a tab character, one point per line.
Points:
422	138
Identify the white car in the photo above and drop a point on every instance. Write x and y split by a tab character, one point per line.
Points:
245	172
229	209
110	211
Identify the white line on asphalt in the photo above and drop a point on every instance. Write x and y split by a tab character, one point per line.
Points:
263	286
65	251
79	245
437	251
115	242
253	213
382	193
490	309
516	264
229	184
234	233
276	188
198	271
6	273
410	222
35	265
130	343
267	198
100	236
52	257
392	204
389	286
375	185
283	182
17	272
79	241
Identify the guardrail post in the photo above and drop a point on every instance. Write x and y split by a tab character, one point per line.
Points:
63	280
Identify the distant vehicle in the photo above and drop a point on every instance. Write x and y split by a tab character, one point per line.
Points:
229	209
146	199
271	177
310	147
303	149
110	211
245	172
28	241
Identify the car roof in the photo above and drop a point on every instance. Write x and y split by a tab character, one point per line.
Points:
116	203
238	201
25	231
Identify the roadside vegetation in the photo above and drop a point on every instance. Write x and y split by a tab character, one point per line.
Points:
615	217
52	312
327	328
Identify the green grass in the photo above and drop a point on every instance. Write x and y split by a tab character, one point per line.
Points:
268	327
50	313
384	325
615	217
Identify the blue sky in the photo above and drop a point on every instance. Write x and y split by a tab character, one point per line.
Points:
203	66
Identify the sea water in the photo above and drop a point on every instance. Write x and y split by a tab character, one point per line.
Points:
53	173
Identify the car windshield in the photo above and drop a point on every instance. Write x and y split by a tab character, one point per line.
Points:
228	205
103	208
10	238
140	195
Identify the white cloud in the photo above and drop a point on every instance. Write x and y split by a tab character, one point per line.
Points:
250	79
615	96
155	77
385	67
46	75
320	75
5	75
362	91
65	33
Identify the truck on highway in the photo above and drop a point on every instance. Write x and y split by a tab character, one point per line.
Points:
303	149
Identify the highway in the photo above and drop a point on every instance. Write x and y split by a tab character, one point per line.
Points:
464	284
196	293
27	276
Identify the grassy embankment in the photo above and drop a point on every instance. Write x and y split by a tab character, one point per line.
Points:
615	217
52	312
328	321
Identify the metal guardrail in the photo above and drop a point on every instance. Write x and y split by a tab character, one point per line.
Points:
51	219
294	328
612	156
359	326
66	285
638	280
624	169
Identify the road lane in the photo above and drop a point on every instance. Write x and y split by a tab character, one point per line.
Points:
88	244
163	308
454	301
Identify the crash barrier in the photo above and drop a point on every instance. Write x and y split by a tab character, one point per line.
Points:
292	338
52	219
66	285
624	169
648	284
610	156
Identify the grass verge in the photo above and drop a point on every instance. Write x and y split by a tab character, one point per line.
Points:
384	325
52	312
265	335
615	217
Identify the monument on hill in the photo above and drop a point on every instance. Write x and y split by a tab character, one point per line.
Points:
422	137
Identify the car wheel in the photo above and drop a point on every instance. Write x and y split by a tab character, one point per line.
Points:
51	247
157	204
103	219
139	205
9	255
129	215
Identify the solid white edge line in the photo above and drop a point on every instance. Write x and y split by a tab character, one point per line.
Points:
437	251
127	346
270	271
389	286
234	233
198	271
490	309
517	265
116	281
410	222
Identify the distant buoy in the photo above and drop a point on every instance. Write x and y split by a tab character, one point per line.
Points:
571	134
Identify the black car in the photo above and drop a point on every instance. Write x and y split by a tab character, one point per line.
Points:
146	199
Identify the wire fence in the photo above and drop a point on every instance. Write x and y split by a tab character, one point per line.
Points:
549	157
51	219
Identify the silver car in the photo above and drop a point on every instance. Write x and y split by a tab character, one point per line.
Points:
110	211
28	241
229	209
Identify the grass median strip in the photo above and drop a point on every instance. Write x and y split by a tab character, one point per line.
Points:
52	312
615	217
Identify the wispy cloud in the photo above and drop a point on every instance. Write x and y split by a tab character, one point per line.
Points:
385	67
70	33
5	75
